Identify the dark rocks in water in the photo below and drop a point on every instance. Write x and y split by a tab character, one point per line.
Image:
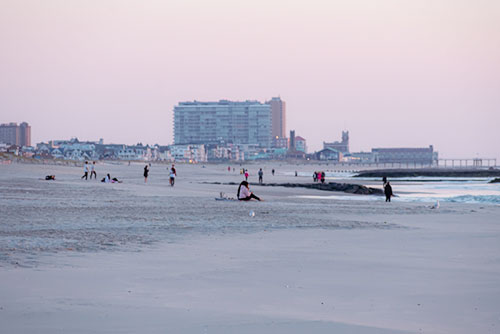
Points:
434	172
331	186
497	180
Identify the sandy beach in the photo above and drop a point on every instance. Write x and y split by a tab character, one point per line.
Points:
87	257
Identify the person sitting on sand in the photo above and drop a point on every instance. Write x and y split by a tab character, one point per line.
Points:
50	177
108	179
244	193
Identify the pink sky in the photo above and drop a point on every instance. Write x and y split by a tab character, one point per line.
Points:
392	72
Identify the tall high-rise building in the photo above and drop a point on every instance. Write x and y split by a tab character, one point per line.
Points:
24	134
9	133
292	140
278	112
13	134
247	122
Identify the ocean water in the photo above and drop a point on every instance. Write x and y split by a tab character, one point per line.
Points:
448	190
430	190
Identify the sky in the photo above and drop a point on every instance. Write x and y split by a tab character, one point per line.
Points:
395	73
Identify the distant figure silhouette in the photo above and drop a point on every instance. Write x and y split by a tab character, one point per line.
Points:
388	192
261	175
146	173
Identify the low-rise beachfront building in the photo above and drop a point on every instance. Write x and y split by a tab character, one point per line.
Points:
358	157
134	152
329	154
405	155
224	153
280	142
300	144
188	153
341	146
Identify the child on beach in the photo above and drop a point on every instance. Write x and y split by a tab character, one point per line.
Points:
244	193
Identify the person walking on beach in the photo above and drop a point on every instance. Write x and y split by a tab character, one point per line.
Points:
261	175
173	174
246	175
272	171
146	173
244	193
388	192
92	171
323	176
85	170
315	176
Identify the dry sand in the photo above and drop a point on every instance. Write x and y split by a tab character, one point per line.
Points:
86	257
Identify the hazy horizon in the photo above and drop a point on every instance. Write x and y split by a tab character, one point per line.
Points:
393	73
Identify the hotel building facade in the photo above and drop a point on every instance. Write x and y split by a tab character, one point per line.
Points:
223	122
13	134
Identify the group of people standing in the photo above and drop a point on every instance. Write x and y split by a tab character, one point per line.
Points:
319	177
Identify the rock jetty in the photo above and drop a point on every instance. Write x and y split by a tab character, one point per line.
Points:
330	186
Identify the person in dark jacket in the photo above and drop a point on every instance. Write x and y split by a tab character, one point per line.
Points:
146	173
388	192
